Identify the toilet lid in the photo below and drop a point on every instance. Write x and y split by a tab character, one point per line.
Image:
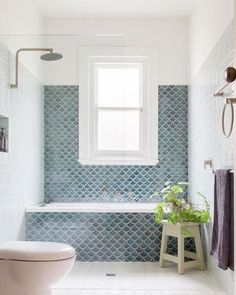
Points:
36	251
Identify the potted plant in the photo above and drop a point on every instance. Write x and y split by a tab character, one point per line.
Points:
177	209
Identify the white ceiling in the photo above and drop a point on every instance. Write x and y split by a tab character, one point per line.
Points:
114	8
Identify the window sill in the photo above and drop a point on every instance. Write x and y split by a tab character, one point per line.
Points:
100	162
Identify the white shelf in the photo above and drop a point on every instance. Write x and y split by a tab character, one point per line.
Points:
4	156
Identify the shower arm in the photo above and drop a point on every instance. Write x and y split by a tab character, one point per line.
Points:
17	61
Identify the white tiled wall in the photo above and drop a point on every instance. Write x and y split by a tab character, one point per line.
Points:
205	135
21	171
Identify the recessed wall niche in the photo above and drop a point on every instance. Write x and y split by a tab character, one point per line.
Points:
4	134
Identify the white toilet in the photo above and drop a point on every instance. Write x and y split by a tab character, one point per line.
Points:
30	268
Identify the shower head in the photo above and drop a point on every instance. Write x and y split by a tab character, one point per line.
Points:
52	56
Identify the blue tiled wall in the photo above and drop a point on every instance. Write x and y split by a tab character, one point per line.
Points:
102	236
107	236
67	180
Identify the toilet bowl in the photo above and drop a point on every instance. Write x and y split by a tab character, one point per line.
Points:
30	268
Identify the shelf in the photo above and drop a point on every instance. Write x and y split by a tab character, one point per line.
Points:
4	157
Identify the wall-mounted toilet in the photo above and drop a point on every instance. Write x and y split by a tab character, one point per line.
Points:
30	268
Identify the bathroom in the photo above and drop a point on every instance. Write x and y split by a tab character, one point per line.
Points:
77	181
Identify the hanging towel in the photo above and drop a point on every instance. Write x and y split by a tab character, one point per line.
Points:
222	236
231	223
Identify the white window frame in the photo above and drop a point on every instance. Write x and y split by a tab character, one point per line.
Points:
89	58
117	65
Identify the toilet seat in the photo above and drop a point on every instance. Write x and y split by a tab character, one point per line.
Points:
35	251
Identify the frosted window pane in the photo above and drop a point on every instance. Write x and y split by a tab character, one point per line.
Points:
118	130
118	87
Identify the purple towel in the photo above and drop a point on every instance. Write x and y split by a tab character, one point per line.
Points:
231	223
222	236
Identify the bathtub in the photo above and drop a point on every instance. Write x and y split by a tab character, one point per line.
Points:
102	232
105	232
95	207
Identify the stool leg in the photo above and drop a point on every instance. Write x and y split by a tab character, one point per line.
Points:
199	251
164	241
180	252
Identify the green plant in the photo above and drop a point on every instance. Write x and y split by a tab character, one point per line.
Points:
176	209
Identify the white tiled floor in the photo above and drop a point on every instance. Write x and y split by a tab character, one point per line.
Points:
136	279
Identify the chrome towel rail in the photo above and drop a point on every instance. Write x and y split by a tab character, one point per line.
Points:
230	76
209	163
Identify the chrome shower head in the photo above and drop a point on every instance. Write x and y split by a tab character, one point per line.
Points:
47	57
52	56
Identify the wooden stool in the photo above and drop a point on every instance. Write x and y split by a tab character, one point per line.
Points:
182	231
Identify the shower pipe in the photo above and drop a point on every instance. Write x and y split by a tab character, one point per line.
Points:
51	56
17	62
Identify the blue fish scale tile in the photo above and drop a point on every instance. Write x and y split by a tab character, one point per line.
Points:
67	180
102	236
107	236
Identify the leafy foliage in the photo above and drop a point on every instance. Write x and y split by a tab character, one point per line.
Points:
176	209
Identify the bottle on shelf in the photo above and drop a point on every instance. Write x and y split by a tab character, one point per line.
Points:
3	141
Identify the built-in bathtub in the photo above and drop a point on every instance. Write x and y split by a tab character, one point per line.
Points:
92	207
100	231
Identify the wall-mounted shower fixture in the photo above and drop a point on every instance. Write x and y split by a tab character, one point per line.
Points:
230	76
50	56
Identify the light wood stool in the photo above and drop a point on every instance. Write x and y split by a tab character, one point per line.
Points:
182	231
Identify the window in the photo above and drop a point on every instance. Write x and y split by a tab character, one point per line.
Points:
117	116
118	107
